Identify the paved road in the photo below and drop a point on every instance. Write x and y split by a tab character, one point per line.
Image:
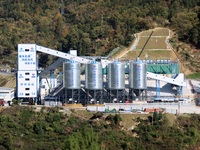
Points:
170	107
173	108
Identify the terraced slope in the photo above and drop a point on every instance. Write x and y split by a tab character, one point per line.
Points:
157	47
157	43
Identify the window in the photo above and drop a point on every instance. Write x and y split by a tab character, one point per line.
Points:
27	88
26	50
27	94
27	73
27	79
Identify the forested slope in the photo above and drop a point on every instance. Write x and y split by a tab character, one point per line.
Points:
93	27
25	128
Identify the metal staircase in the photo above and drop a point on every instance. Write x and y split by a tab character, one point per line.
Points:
56	90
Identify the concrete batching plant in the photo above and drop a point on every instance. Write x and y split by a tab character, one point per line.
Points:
94	88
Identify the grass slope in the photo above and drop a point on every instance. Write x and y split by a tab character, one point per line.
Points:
156	48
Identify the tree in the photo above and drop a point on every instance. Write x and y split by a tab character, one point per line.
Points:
84	139
184	22
194	36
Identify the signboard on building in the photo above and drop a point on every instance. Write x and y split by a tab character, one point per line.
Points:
27	58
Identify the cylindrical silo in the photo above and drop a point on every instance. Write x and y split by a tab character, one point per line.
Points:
137	75
71	76
94	76
116	75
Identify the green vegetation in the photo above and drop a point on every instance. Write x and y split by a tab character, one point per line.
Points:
83	113
90	26
194	76
154	43
25	128
157	32
7	80
151	54
3	80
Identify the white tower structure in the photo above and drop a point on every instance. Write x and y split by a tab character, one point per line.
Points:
27	77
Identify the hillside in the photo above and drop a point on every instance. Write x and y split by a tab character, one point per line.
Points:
157	47
51	128
93	27
162	45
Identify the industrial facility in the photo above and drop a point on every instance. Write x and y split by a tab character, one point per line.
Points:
92	80
6	95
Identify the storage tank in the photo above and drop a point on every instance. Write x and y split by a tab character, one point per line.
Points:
94	76
116	75
137	75
71	76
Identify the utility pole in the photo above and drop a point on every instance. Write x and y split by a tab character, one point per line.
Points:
62	7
